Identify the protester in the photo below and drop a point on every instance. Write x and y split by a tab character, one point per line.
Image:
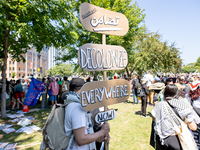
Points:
164	125
65	84
78	121
44	95
194	96
135	84
144	98
54	87
18	95
150	81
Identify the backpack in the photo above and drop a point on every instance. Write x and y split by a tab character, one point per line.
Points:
54	137
140	92
137	84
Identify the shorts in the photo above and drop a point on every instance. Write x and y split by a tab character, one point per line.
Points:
16	95
53	98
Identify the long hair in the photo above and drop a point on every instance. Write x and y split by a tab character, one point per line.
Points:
194	94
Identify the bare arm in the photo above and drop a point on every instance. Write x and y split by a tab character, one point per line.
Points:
83	139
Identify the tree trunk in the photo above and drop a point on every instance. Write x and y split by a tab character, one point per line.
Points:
3	100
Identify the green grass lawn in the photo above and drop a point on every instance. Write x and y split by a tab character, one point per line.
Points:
129	131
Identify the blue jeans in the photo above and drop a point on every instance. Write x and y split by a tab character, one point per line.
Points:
135	97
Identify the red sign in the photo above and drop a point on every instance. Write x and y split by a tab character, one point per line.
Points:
31	65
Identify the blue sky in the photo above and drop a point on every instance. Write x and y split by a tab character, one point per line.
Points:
177	21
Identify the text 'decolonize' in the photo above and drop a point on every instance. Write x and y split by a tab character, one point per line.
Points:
96	57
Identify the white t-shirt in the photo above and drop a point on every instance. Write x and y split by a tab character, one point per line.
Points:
150	78
75	117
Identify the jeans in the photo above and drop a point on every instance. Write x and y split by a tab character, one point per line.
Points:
135	97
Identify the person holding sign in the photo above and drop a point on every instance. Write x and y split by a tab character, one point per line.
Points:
78	123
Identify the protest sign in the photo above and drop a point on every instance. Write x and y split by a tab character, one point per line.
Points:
105	116
34	92
97	57
100	20
104	93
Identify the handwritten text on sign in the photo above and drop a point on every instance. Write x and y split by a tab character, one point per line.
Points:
105	116
96	57
97	19
103	93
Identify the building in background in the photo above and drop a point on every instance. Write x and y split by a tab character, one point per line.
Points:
52	54
36	63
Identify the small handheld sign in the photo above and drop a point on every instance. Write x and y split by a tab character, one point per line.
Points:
105	116
97	57
100	20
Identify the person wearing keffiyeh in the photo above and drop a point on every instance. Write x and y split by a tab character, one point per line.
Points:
163	126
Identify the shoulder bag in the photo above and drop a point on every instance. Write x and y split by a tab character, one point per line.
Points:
185	137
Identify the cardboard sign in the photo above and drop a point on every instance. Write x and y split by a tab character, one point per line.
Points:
100	20
105	116
97	57
103	93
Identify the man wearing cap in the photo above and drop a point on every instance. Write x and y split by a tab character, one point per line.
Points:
78	122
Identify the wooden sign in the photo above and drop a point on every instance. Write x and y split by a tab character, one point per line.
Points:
100	20
97	57
105	116
103	93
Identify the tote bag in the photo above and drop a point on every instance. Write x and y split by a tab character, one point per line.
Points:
185	137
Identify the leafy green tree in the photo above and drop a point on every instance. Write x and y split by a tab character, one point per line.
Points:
188	68
60	69
33	23
151	53
13	74
197	64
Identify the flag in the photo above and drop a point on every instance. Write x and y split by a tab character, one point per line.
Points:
34	92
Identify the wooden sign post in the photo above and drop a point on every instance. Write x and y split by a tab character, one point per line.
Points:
103	93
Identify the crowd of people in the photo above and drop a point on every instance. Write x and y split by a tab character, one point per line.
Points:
176	102
175	98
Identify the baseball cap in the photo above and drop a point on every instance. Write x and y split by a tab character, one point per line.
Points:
77	82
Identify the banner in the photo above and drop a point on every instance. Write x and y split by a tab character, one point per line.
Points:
34	92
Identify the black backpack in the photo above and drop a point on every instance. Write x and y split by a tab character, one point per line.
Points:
140	92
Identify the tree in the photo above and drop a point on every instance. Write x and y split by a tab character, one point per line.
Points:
135	17
197	64
33	23
60	69
151	53
189	68
13	74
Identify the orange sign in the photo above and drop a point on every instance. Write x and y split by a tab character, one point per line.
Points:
96	57
100	20
103	93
